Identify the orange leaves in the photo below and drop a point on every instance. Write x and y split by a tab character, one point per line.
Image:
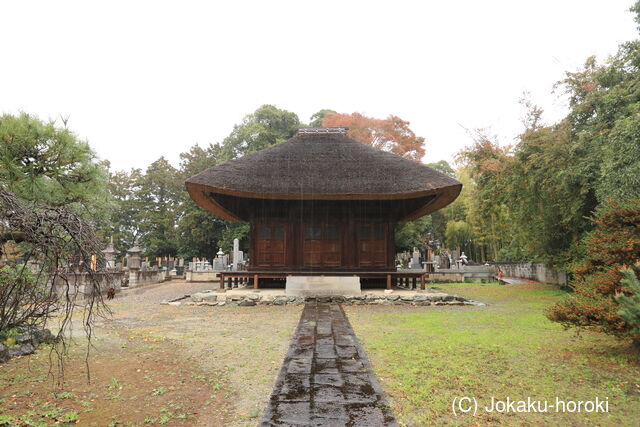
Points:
391	134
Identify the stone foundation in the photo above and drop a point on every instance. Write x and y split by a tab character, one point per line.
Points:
255	298
303	286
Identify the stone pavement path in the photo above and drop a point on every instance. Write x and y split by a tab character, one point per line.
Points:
326	378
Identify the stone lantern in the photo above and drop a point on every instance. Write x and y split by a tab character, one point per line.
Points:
110	255
133	256
133	264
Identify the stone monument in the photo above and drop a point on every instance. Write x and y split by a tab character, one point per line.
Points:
133	264
415	260
237	255
110	256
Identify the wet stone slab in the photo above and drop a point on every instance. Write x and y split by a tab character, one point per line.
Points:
326	378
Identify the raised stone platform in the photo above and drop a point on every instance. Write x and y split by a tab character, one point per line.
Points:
302	286
250	297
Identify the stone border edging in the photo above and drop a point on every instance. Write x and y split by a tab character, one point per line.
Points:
252	299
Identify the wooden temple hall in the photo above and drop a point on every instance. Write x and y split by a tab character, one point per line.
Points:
322	205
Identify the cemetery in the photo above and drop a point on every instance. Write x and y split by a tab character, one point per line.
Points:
323	256
177	250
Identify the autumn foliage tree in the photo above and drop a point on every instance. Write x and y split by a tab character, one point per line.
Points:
613	247
391	134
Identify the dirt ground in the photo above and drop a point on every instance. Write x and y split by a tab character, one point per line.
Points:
159	364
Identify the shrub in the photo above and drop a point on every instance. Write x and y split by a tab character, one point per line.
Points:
630	305
612	248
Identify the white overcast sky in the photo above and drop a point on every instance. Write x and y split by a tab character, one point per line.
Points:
141	79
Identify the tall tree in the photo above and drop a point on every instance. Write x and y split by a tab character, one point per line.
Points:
413	234
124	223
444	167
42	162
199	231
317	118
266	126
391	134
487	164
159	193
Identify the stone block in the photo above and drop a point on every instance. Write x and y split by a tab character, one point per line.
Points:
22	350
4	353
322	286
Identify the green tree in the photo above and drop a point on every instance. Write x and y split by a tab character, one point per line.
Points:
630	305
413	233
487	164
317	119
199	231
459	235
550	191
266	126
159	194
44	163
444	167
605	104
124	223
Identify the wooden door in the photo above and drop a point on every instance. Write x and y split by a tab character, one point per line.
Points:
372	245
321	246
271	245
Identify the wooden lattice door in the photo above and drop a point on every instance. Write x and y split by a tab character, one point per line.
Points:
271	245
372	245
322	246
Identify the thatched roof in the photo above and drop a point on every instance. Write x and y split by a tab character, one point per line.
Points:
322	164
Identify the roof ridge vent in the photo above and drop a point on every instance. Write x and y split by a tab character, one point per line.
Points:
330	130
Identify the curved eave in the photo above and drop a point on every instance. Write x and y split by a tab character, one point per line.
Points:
199	193
446	196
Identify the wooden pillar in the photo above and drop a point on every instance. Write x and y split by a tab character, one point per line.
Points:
229	283
422	282
235	282
255	281
221	281
388	281
415	283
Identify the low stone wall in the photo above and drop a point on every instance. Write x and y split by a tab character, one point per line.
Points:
148	277
80	281
201	276
448	276
251	299
534	271
106	280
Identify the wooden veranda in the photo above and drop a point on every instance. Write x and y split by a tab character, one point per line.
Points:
393	278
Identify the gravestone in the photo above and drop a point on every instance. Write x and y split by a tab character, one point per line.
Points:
415	260
237	255
464	259
220	261
437	262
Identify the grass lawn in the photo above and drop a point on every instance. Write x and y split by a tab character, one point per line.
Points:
427	356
